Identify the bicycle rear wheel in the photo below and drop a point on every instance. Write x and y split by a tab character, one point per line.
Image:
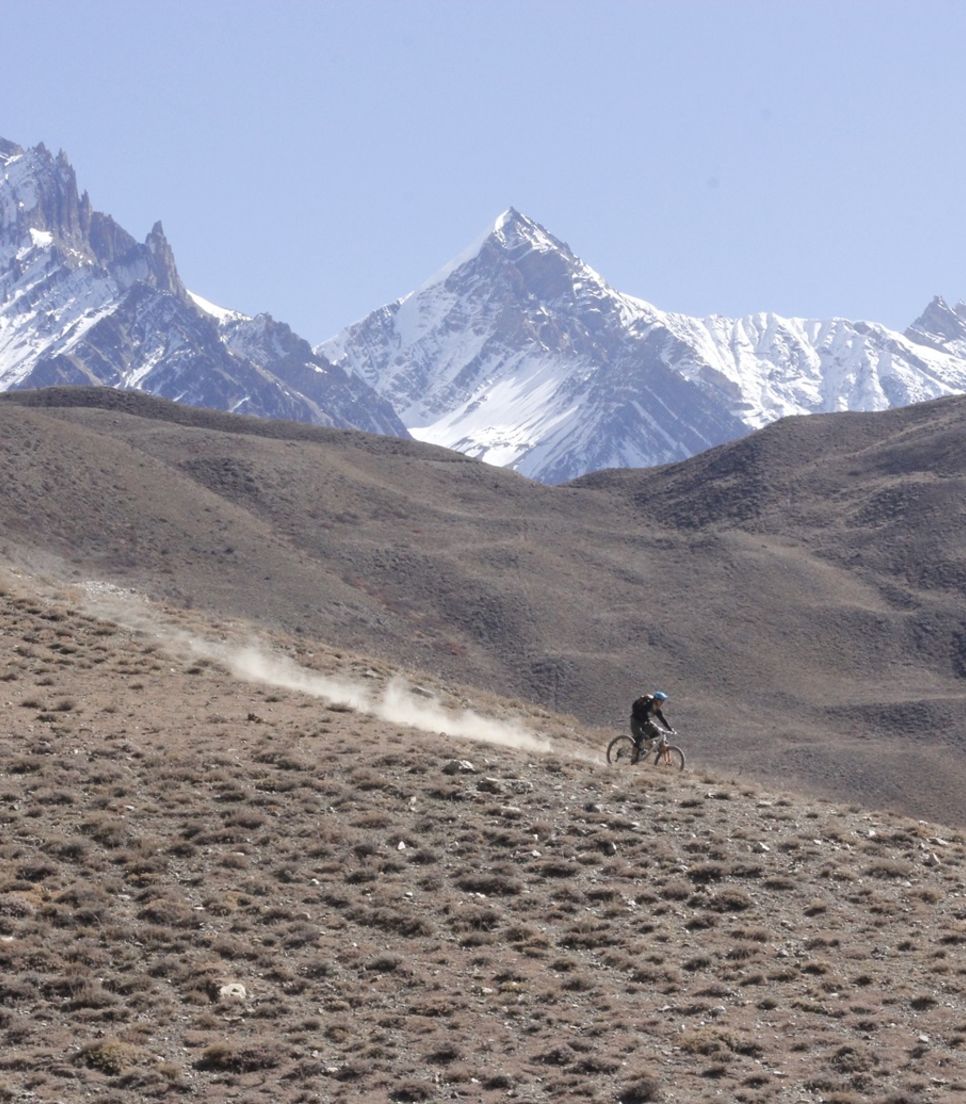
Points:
669	757
620	751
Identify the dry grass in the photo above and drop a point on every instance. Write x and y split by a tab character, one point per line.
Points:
205	895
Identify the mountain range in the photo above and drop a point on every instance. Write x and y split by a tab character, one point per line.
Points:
83	302
520	354
517	352
302	786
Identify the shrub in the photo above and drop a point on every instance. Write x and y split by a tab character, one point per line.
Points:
491	885
411	1092
110	1056
444	1054
921	1003
889	868
241	1057
385	963
645	1088
731	900
706	872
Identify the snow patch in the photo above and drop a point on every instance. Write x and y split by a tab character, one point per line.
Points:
223	314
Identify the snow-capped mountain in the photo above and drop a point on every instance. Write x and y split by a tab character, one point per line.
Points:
82	302
519	353
942	327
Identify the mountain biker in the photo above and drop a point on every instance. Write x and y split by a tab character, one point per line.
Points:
643	727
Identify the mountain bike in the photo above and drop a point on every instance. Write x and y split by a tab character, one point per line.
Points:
621	751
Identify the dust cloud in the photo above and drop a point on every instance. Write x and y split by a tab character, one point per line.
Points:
398	701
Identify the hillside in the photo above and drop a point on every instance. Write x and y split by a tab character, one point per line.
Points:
234	890
809	629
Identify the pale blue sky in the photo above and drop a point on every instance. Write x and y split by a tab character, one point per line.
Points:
318	159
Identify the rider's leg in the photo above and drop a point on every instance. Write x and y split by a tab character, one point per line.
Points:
649	734
640	734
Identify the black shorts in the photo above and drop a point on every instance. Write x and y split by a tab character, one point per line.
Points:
643	730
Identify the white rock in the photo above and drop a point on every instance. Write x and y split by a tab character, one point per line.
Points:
459	766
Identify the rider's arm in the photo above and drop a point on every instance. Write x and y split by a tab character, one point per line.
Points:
662	718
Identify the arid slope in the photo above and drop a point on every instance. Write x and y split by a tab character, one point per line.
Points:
218	890
799	592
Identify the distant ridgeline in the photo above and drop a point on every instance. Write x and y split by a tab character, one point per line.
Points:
516	353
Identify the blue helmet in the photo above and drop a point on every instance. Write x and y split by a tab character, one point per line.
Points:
659	695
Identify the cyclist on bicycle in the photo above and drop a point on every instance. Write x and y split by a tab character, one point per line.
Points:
643	728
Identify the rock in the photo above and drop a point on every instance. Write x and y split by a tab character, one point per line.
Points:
233	991
489	785
520	785
459	766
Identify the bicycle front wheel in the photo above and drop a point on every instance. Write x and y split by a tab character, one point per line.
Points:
620	751
669	757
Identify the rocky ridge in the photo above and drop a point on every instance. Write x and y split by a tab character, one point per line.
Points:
83	302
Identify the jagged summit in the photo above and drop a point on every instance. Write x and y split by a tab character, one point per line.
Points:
511	214
9	150
512	227
84	302
522	241
941	326
165	267
520	353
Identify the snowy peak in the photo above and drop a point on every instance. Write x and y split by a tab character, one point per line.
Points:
83	302
548	266
515	249
941	326
510	217
513	231
518	350
40	193
519	353
9	151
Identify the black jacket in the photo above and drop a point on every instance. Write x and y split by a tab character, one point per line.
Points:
645	709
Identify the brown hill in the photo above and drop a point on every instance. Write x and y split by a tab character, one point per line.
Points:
220	890
798	592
